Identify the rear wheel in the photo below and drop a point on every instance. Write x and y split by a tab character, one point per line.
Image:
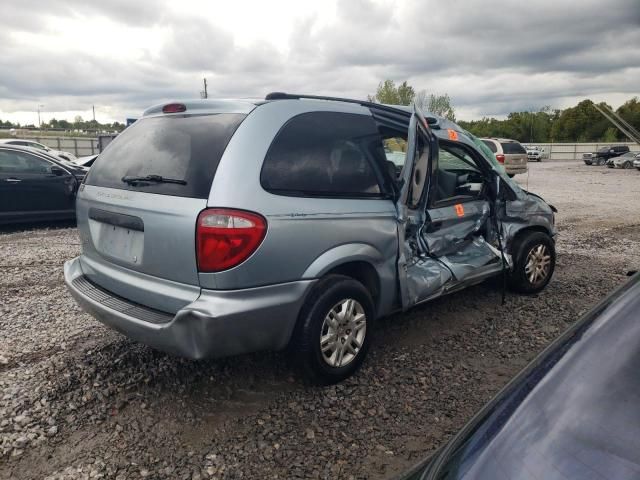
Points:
334	329
601	161
534	256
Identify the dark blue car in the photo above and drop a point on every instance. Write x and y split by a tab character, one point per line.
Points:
573	413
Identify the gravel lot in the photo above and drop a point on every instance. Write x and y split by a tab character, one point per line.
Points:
80	401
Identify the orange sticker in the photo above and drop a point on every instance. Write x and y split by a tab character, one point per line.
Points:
459	210
453	135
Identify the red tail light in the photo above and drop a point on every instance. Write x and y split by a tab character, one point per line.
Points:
225	238
500	158
174	108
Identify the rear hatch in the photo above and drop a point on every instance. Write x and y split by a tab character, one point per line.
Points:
138	208
514	154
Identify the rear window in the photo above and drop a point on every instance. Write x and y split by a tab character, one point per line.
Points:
491	145
509	148
185	148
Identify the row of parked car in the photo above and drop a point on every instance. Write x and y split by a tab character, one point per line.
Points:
615	156
38	182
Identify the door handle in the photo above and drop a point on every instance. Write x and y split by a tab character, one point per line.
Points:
13	180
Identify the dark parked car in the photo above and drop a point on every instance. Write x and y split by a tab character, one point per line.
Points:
573	413
605	153
36	186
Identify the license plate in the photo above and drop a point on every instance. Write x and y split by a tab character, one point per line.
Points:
118	242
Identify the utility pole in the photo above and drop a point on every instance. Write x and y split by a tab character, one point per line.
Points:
94	112
204	93
39	122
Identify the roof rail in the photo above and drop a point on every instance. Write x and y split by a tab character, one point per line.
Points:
391	114
295	96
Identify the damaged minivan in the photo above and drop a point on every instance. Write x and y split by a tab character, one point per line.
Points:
218	227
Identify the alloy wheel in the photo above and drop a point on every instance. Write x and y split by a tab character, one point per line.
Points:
538	264
342	333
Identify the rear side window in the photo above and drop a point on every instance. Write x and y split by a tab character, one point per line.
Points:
185	148
491	145
21	162
510	148
325	154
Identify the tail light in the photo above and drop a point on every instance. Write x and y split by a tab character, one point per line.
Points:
500	158
225	238
174	108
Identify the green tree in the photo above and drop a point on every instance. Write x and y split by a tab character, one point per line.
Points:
582	123
438	104
630	112
610	135
388	93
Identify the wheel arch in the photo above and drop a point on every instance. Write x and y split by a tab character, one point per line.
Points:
360	261
521	232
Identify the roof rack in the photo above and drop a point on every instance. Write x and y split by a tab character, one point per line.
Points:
386	113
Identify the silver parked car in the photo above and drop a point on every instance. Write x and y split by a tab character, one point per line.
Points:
66	156
219	227
623	161
509	153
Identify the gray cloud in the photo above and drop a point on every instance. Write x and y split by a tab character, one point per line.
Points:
492	57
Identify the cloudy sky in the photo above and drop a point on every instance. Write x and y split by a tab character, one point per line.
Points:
490	56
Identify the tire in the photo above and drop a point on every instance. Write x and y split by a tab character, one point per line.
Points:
330	365
626	165
540	246
600	161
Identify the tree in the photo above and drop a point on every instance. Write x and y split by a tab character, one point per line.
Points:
438	104
610	135
582	123
388	93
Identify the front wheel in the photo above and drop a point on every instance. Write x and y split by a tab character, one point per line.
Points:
626	165
334	329
534	256
601	161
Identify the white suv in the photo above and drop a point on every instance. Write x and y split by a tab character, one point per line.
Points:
509	153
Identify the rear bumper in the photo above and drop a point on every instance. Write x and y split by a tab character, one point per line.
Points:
515	169
217	324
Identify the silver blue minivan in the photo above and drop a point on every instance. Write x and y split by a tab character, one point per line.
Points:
218	227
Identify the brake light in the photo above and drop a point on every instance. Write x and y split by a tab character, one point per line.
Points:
225	238
500	158
174	108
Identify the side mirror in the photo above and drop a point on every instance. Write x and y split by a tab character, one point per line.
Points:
57	171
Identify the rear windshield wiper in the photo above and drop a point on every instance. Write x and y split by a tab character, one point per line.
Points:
152	178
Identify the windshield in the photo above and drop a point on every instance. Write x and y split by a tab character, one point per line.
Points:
186	148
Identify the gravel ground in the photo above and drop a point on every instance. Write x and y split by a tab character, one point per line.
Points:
78	400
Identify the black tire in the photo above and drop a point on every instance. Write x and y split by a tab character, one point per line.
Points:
600	161
626	165
524	245
305	343
539	160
